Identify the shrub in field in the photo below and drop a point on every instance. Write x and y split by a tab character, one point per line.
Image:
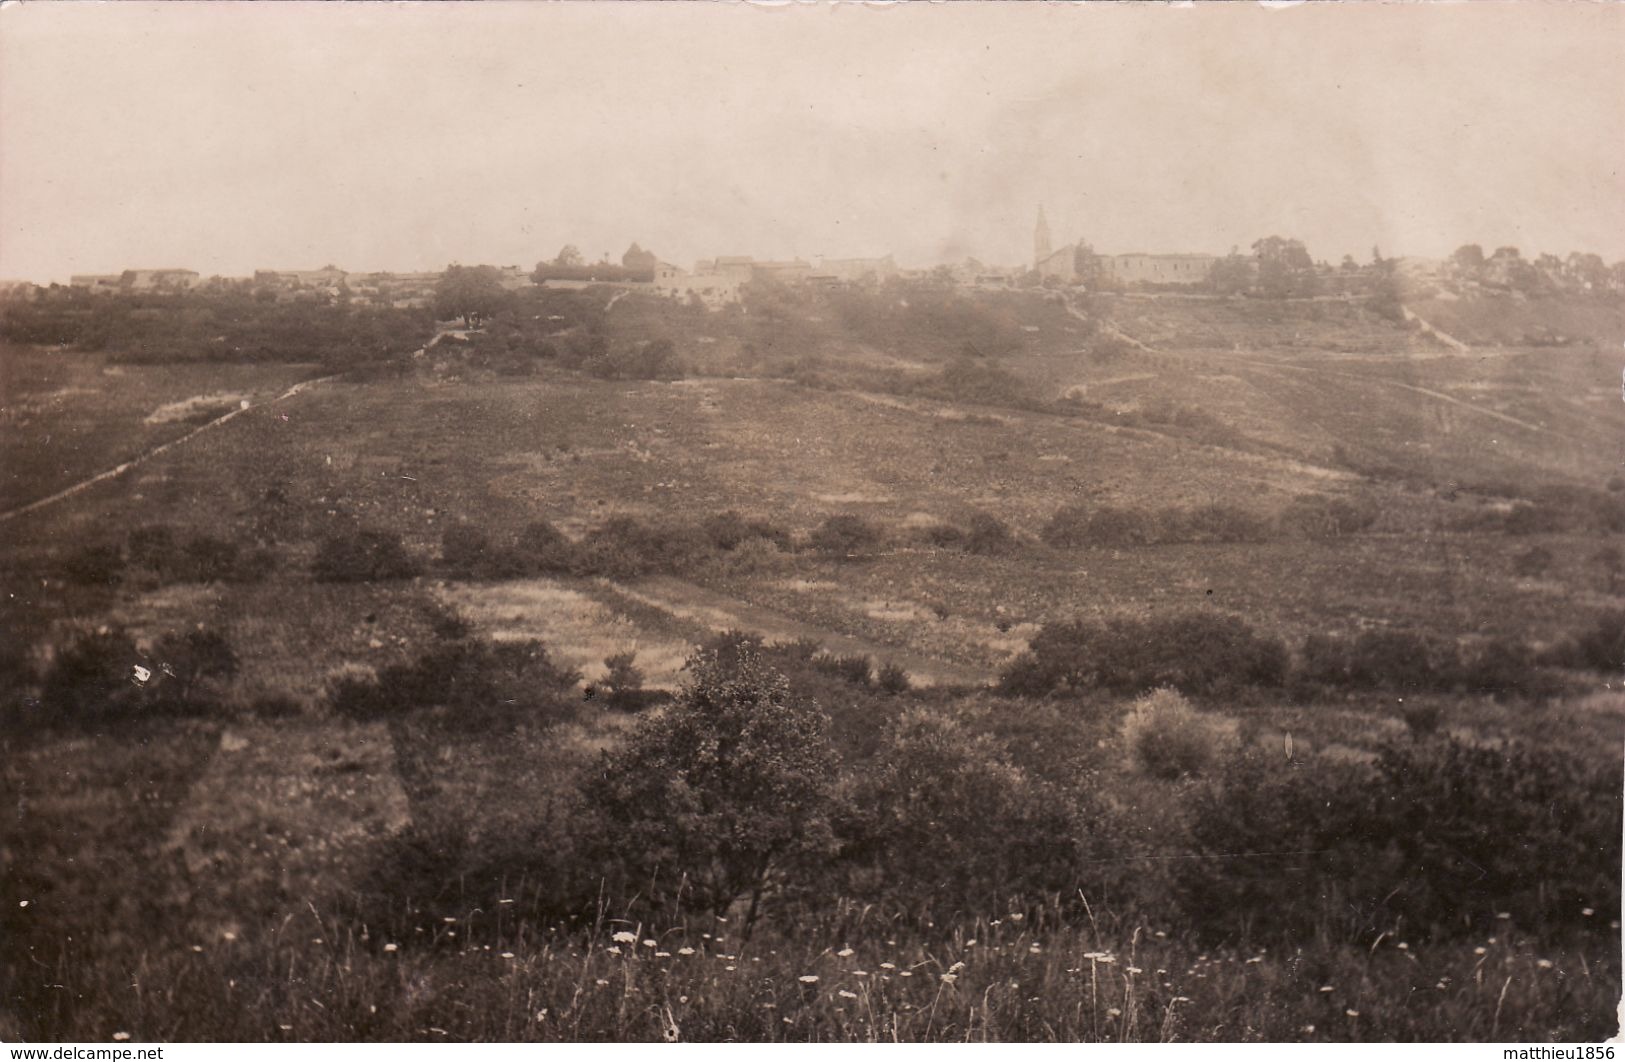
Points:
467	553
1197	653
194	660
941	822
1068	528
1221	523
153	547
94	565
1402	660
625	547
1533	563
543	549
1599	646
987	534
1169	739
1117	526
1437	839
466	686
1610	562
712	799
845	535
1422	719
362	556
1501	667
729	530
892	680
92	678
854	668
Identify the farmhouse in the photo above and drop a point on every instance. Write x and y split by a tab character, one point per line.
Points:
713	288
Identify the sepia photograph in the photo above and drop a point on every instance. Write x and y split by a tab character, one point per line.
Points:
811	522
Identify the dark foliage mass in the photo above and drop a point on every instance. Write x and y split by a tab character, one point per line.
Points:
1435	839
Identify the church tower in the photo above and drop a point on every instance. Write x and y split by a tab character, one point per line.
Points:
1041	247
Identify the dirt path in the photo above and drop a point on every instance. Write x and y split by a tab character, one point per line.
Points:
141	459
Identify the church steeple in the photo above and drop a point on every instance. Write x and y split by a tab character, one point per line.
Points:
1041	246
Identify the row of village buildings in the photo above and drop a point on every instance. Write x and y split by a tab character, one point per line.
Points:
714	281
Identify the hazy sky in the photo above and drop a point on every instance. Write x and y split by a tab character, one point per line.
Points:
224	137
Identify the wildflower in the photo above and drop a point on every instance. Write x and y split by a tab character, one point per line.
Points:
1326	988
662	954
1309	1030
1132	970
510	901
1614	924
1017	916
1402	946
121	1036
601	982
541	1015
228	936
906	973
949	978
956	967
613	949
1033	948
507	955
682	999
651	943
971	943
1544	964
1113	1012
1182	999
1255	958
623	937
860	973
1504	915
197	947
285	1028
730	969
1161	935
888	966
1478	951
448	919
392	947
1352	1013
24	903
846	952
1588	912
844	994
808	979
1441	985
685	951
1490	941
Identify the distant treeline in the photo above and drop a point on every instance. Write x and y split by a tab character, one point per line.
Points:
216	326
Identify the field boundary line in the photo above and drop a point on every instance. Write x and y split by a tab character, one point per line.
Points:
143	458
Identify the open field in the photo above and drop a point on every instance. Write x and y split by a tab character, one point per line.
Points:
274	869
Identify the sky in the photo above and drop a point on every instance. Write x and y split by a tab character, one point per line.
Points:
226	137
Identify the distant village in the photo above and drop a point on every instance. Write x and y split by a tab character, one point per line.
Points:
1276	267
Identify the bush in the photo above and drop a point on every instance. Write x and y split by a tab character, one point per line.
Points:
92	678
1533	563
892	680
942	823
1168	739
362	556
467	553
544	550
95	565
1433	841
987	535
685	801
729	530
625	547
854	668
1402	660
465	686
845	535
1197	653
1314	516
190	661
1598	647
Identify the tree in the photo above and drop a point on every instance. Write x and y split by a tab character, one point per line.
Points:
470	292
716	794
1467	263
1585	272
637	258
1231	275
1284	267
569	257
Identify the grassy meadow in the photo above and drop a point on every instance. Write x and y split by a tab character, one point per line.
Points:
366	821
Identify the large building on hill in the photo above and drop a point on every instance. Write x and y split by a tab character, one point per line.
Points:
1117	269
